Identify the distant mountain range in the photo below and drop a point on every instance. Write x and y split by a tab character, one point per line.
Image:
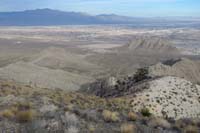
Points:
56	17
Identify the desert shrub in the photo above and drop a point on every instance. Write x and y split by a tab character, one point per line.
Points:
183	123
191	129
132	116
159	122
72	129
7	113
145	112
25	116
23	106
70	119
69	107
109	116
141	74
91	128
6	84
14	109
128	128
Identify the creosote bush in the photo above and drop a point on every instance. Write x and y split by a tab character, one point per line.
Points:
145	112
141	74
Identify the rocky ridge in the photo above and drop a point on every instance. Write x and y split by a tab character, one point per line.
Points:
151	45
184	68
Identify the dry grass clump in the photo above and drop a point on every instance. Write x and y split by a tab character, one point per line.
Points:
6	84
7	114
11	88
132	116
187	125
109	116
72	129
21	112
25	116
91	128
128	128
191	129
159	122
24	112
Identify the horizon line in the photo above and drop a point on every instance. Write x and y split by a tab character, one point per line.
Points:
34	9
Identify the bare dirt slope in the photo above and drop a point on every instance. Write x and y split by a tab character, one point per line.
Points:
185	68
150	45
59	58
140	52
31	74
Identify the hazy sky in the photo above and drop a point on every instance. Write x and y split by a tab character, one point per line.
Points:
122	7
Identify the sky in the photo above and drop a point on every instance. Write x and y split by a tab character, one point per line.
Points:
146	8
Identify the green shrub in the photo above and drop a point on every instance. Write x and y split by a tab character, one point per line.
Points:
141	74
145	112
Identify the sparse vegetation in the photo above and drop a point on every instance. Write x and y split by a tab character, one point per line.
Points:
91	109
21	112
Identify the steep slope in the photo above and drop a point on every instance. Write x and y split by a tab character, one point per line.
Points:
184	68
31	74
151	45
31	109
140	52
170	97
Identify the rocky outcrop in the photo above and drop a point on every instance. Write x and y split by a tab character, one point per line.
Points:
116	87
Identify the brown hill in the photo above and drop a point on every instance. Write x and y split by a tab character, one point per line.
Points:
151	45
184	68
